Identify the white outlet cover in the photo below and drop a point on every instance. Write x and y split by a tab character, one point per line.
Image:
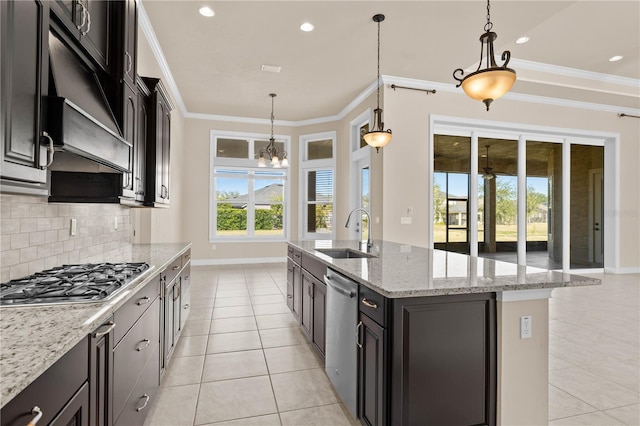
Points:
405	221
525	327
74	227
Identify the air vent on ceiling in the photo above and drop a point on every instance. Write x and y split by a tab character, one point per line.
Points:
271	68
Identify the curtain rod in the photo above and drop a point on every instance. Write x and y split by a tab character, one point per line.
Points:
628	115
394	87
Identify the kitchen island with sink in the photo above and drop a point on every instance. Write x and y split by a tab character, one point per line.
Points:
43	347
438	334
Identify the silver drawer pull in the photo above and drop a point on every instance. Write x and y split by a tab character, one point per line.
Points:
289	296
371	305
37	412
187	306
111	325
187	256
145	346
143	300
175	268
358	334
146	401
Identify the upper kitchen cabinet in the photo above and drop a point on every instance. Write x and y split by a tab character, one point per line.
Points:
158	145
89	22
23	83
125	49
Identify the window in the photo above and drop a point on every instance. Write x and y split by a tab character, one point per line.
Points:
317	188
247	203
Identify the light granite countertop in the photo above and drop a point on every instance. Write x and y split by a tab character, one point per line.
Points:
408	271
33	338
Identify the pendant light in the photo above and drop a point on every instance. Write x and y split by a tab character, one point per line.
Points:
378	137
271	151
488	84
487	172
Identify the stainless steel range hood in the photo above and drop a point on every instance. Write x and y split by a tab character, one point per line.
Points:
79	119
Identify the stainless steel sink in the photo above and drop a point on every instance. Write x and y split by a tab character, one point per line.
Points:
345	253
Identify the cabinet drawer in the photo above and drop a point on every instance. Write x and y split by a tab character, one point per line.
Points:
129	313
52	390
185	276
132	354
186	257
313	265
137	406
373	305
294	254
173	269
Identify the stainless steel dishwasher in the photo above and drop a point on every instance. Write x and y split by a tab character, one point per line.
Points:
341	357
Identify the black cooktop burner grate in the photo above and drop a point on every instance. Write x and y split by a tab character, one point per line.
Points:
70	283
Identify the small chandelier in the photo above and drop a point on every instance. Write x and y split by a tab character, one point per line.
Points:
492	82
378	137
271	151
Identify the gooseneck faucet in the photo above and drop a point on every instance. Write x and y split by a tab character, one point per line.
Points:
346	225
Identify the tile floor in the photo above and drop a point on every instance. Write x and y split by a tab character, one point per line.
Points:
242	359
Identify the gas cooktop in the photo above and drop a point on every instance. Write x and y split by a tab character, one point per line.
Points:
89	282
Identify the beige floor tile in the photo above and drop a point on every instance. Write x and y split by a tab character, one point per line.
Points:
234	365
629	415
202	302
263	291
232	301
270	420
234	399
267	298
594	390
275	321
232	285
230	325
556	363
205	293
562	405
334	415
174	406
302	389
259	282
191	346
291	358
233	312
274	337
232	342
622	373
184	370
271	309
232	293
196	328
592	419
200	314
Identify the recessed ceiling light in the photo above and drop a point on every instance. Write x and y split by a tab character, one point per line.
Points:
206	11
522	40
306	27
615	58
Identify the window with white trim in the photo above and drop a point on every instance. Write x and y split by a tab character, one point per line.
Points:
247	203
317	185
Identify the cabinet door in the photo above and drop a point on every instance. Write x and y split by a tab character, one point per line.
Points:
306	314
297	291
130	112
24	70
372	392
95	36
169	315
290	284
101	374
177	308
319	313
76	412
140	146
166	150
130	35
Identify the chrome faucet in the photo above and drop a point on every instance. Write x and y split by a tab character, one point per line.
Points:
369	242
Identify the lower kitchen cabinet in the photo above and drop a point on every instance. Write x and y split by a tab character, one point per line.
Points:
101	374
137	406
313	310
60	393
372	377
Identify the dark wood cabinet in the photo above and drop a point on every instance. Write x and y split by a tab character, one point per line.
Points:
125	48
89	23
24	27
372	372
140	142
319	314
306	311
294	288
101	374
129	129
76	412
158	145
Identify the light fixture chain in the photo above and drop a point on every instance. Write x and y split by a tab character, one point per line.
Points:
378	81
272	116
489	25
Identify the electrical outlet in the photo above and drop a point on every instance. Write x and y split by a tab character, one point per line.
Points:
525	327
74	227
405	220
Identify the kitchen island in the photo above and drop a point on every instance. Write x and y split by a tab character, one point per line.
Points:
33	338
439	333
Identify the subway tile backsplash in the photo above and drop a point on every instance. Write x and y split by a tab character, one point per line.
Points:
36	235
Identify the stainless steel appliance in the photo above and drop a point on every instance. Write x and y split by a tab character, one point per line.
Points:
89	282
340	352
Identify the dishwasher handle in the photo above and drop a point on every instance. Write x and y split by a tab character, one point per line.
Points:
350	294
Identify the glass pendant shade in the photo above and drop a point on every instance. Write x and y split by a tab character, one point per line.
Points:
378	137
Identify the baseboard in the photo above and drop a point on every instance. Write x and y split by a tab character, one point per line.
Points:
235	261
626	270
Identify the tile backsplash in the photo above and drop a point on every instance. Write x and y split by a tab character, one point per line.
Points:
36	235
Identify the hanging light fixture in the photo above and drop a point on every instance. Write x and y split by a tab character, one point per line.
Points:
487	172
488	84
271	151
378	137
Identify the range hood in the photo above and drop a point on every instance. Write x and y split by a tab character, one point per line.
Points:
85	134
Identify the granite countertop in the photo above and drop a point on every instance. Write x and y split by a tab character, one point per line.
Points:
33	338
409	271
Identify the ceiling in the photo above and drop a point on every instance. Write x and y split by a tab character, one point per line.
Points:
216	62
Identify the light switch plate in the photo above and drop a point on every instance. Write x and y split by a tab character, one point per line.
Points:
405	221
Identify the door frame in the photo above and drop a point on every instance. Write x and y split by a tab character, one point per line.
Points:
592	254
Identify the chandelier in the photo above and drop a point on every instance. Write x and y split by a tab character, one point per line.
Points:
378	137
491	83
271	151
